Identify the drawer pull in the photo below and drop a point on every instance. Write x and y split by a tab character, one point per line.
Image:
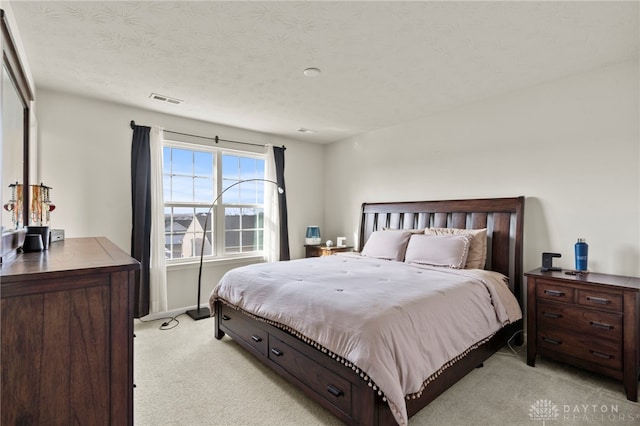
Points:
599	300
335	391
601	355
226	317
552	341
551	315
556	293
276	352
601	325
256	339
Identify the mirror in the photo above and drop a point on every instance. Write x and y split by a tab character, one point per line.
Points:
15	124
12	152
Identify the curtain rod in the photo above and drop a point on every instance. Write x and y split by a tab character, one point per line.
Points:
216	138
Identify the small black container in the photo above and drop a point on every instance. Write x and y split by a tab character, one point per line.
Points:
33	242
44	233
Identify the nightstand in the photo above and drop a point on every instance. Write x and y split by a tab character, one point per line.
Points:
587	320
319	250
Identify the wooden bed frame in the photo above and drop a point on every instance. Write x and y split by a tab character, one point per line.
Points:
338	388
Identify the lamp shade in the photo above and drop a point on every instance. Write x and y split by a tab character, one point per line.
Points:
313	235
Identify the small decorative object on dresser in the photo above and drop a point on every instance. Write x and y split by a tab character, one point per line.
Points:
547	262
587	320
57	235
317	250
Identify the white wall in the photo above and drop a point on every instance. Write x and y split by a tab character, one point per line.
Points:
571	147
85	154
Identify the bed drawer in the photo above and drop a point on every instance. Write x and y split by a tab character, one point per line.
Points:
233	322
323	382
582	321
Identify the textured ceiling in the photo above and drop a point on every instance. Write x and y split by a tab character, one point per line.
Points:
383	63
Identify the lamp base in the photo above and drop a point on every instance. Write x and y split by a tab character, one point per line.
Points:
198	314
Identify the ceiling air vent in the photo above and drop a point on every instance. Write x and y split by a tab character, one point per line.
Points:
166	99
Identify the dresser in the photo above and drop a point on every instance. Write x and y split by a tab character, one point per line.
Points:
67	335
587	320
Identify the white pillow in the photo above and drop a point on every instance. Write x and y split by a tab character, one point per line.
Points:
438	250
478	247
389	245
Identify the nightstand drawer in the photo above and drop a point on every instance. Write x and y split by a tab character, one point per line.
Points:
584	321
552	291
608	354
601	300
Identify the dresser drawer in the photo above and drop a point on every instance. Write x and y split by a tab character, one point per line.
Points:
551	291
234	322
601	300
325	383
598	351
579	320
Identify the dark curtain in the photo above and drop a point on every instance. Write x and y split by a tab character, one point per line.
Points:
141	217
278	153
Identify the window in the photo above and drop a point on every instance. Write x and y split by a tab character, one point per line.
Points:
193	177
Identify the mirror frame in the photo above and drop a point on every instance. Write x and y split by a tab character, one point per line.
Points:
11	62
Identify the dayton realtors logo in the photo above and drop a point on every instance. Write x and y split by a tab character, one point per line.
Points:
544	410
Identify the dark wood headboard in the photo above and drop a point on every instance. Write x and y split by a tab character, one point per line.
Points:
503	218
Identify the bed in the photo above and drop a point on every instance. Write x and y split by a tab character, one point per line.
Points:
298	336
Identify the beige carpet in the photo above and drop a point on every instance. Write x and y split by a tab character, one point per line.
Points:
184	376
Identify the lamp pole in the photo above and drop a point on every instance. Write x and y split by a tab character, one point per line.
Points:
201	313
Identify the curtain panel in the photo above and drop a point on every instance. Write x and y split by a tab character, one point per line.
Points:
276	232
271	215
147	231
157	265
141	216
278	154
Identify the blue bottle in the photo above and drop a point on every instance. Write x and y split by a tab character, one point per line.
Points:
582	253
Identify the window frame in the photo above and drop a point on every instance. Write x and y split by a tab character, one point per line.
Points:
217	223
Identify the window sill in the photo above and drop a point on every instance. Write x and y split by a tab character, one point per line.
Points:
176	265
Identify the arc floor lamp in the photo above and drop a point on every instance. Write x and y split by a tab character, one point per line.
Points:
201	313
